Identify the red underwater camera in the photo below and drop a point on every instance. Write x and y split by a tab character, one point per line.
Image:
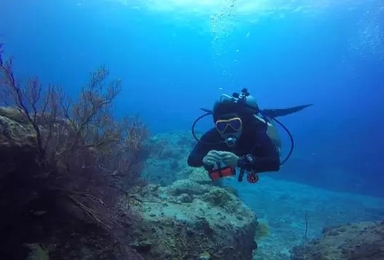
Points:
221	172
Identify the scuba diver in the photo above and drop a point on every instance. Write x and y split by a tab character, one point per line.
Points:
244	137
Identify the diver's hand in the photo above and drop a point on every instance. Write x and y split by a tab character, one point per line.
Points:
212	158
230	159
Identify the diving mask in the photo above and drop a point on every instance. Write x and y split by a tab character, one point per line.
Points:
233	124
230	130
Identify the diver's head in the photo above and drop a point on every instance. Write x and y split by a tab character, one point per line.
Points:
227	116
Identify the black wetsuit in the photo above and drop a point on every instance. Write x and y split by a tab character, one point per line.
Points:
253	140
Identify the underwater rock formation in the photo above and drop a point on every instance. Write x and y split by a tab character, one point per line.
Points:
39	223
42	219
168	153
64	171
191	219
17	141
66	167
363	240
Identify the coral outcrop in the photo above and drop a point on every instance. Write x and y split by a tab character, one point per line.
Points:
191	219
168	152
36	222
364	240
63	170
17	141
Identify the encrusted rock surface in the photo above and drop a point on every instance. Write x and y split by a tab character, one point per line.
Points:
190	219
35	224
15	130
17	142
355	241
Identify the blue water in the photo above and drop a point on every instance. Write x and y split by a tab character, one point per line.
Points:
172	64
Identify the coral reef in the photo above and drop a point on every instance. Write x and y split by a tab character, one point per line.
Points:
41	222
190	219
362	240
168	157
66	164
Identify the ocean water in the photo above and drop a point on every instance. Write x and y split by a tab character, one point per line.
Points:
176	57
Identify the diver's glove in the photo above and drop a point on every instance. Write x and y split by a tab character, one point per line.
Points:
229	158
212	158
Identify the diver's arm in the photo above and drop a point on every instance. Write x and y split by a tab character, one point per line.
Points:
264	160
195	158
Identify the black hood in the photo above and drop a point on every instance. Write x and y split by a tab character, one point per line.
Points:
228	107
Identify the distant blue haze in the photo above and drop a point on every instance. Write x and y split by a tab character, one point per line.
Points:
170	68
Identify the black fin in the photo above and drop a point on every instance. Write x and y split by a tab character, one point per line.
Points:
284	111
206	110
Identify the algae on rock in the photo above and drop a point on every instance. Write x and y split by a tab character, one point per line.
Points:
211	222
37	252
